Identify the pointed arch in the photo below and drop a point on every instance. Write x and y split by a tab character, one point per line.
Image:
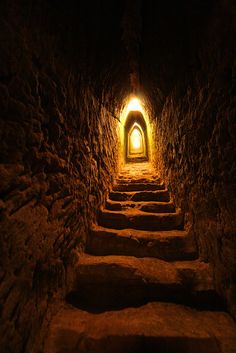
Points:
136	142
135	129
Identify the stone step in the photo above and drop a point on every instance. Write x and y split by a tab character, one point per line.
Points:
126	280
154	327
138	175
122	180
165	245
158	207
159	195
138	187
137	171
153	207
136	219
138	178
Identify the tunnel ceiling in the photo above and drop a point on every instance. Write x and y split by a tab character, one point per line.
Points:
159	41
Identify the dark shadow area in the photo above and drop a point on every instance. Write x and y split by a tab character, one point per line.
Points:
139	343
110	298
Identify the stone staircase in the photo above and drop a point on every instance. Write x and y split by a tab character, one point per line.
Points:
140	286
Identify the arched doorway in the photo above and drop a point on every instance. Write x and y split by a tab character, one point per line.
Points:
135	138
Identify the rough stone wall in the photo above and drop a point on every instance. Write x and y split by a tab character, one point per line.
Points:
195	140
58	157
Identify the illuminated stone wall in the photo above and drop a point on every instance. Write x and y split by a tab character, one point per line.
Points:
58	148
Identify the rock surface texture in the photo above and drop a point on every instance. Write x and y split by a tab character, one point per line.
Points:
67	70
58	155
140	287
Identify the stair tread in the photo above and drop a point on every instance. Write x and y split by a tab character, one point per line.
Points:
167	245
156	195
137	219
143	234
129	186
124	270
122	180
162	327
140	204
131	193
137	212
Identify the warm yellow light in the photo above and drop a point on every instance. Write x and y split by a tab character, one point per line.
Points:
134	105
136	139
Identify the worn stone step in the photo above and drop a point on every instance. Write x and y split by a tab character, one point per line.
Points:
153	207
138	175
166	245
122	180
136	219
154	327
159	195
138	170
116	280
139	178
158	207
138	187
134	172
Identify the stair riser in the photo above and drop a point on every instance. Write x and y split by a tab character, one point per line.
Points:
159	196
126	180
113	296
161	208
143	222
158	208
138	187
172	249
138	344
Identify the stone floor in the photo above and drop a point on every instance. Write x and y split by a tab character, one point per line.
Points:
140	287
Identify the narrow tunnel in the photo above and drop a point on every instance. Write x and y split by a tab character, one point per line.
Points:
117	167
135	137
136	142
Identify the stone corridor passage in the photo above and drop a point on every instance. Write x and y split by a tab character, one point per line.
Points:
140	286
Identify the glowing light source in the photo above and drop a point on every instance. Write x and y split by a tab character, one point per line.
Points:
136	142
135	130
136	139
134	105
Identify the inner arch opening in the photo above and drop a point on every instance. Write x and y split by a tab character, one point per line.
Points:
135	138
136	142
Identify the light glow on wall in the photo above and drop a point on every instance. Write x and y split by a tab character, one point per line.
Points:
134	105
